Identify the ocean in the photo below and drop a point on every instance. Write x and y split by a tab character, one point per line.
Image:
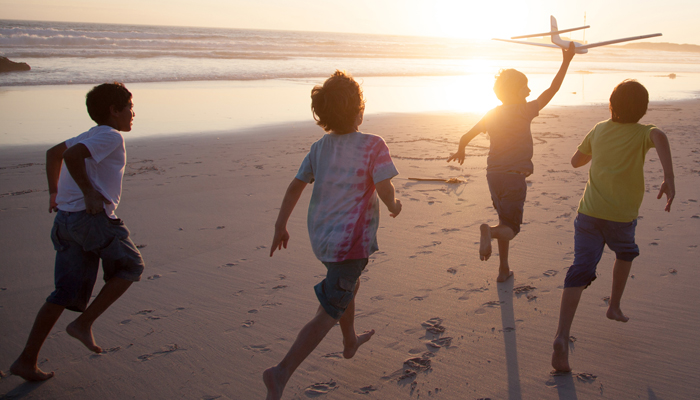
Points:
274	70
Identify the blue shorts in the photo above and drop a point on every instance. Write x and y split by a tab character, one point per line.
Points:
338	289
591	236
81	240
508	193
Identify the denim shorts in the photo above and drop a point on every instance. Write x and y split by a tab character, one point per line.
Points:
590	237
508	193
338	289
81	240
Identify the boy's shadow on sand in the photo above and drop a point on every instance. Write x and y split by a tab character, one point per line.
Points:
22	390
564	383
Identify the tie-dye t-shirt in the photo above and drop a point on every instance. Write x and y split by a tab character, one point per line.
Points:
344	209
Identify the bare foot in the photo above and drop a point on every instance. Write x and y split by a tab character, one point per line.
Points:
85	336
29	372
485	242
275	383
350	350
560	356
616	315
504	277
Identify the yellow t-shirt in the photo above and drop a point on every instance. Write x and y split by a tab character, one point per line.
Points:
615	186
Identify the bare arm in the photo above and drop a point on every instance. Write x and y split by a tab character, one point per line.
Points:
547	95
464	141
54	161
386	192
291	197
74	157
579	159
663	149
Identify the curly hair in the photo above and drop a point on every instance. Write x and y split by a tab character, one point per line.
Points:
508	83
628	102
336	104
102	97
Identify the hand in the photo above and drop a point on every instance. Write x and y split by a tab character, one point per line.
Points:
53	206
396	210
280	239
458	156
570	52
670	189
94	202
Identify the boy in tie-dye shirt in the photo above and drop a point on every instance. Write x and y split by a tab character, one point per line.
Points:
348	169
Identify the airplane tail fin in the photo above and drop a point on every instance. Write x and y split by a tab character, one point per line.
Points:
555	36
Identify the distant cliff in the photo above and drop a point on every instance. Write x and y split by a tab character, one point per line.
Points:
690	48
7	65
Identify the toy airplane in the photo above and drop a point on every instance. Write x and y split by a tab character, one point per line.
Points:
564	44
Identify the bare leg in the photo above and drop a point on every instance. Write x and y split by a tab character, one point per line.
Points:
81	328
503	234
569	302
621	271
309	337
352	341
26	364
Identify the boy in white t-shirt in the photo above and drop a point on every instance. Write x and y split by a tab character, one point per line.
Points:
348	169
84	193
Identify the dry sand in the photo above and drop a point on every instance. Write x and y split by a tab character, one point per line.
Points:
213	310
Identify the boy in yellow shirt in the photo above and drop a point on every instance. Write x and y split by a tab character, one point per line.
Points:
607	213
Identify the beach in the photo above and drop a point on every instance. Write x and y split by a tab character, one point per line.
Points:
213	310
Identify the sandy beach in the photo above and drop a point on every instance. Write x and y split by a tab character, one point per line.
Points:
213	310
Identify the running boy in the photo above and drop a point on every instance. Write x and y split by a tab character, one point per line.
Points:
84	193
510	155
607	212
346	166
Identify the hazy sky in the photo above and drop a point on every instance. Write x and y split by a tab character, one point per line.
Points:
676	19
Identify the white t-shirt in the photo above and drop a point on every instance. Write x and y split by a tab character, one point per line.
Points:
105	169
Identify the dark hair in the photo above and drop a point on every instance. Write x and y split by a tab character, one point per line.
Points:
628	102
102	97
508	83
336	104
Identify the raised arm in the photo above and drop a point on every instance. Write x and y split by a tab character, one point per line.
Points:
54	161
464	141
663	149
579	159
546	96
291	197
386	192
74	157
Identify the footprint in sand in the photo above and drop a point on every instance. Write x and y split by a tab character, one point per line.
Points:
253	311
319	389
152	277
523	289
248	323
550	273
366	390
452	271
126	321
434	325
280	287
585	377
440	342
337	354
257	348
169	348
144	312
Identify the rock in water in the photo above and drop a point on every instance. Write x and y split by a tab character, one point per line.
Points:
7	65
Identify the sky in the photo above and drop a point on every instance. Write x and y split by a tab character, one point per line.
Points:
609	19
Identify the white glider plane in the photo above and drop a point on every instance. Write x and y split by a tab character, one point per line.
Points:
564	44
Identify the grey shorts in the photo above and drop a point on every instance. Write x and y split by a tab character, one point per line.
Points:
81	240
508	193
338	289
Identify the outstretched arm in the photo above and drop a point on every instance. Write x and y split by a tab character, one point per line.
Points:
547	95
54	161
663	149
386	192
464	141
288	203
74	157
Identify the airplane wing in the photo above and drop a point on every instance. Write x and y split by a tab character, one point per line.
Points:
607	42
551	32
528	43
